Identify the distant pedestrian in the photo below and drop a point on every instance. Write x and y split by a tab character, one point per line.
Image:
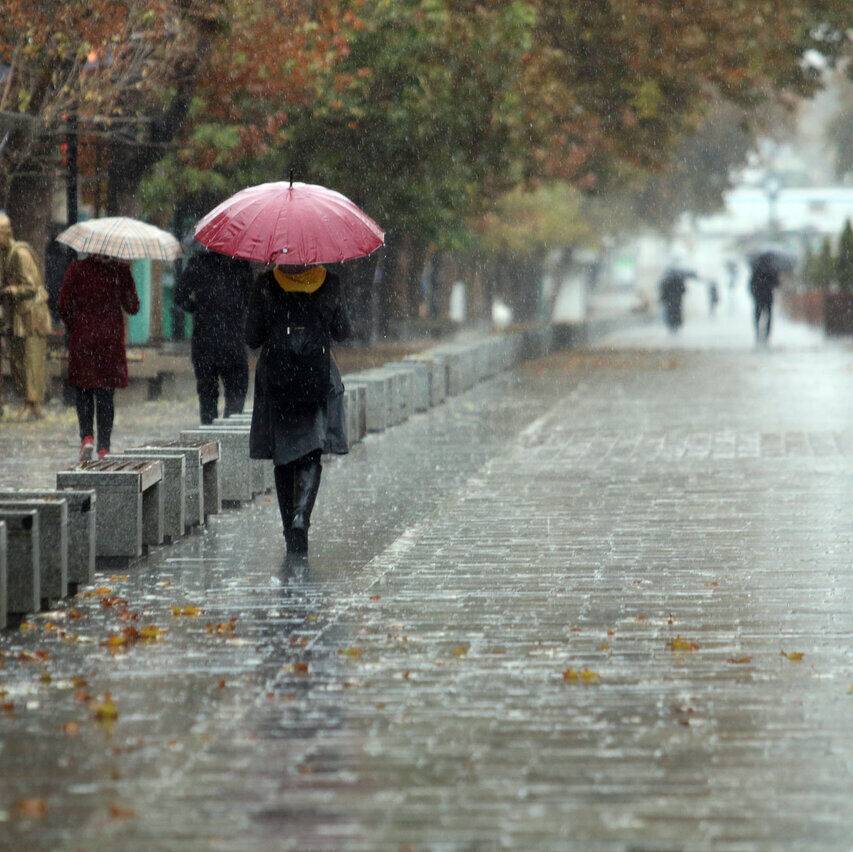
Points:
215	290
26	317
672	290
763	281
96	293
713	297
294	314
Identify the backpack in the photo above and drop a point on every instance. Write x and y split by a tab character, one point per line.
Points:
297	357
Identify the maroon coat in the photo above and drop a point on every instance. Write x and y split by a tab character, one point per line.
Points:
94	295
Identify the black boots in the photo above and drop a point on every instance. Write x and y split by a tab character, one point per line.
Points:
284	492
306	475
296	486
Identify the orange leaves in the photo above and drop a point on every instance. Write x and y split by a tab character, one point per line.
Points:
740	661
793	656
188	611
299	668
581	676
71	729
681	644
224	628
353	653
120	812
31	809
151	633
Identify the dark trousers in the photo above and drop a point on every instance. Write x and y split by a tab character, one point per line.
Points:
233	370
763	319
296	486
90	400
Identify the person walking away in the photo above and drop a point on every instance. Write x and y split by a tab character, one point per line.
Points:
294	314
763	281
713	298
214	288
672	289
95	295
27	318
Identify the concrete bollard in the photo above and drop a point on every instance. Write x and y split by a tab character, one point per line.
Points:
404	378
263	470
201	458
377	389
236	475
23	582
82	507
4	604
130	505
53	542
174	489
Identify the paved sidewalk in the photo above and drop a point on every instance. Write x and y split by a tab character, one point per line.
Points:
548	615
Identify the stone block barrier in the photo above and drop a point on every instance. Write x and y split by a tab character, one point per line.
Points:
4	583
23	580
236	477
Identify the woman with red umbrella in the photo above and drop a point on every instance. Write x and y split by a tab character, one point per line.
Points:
295	312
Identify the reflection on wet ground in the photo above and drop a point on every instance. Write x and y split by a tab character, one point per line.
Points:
550	614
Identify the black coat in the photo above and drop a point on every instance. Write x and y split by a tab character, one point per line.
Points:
215	290
764	280
278	432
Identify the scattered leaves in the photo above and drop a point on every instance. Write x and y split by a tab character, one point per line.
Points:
224	628
300	668
460	650
120	812
109	601
151	633
793	656
106	710
8	707
353	652
31	808
188	611
739	661
682	644
75	614
584	675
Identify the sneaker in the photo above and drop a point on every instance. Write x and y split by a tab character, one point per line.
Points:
103	452
87	448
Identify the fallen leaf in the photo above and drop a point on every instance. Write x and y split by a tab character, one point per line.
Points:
739	661
460	650
106	710
45	677
78	682
119	578
223	628
119	812
26	627
681	644
75	614
108	601
353	653
584	675
641	617
31	808
186	611
71	729
604	647
712	584
611	632
221	683
100	591
82	696
793	656
8	706
375	598
151	633
299	668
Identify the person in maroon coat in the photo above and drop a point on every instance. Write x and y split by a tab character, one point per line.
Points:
95	295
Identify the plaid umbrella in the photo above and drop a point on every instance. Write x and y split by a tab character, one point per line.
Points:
121	237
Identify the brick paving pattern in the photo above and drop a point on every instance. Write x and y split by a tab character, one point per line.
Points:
660	524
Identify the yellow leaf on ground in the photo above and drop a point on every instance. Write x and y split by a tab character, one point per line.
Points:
106	710
187	611
460	650
682	644
583	675
793	656
151	633
604	647
353	653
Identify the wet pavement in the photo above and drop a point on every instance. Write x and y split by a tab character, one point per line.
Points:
550	614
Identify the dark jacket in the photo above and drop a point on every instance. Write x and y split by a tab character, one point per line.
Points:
94	297
215	290
764	280
278	432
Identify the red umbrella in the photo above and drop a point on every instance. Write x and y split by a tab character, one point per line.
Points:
289	223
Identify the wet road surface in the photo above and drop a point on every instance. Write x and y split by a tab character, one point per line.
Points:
550	614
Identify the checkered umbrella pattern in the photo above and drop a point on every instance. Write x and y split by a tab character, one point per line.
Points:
121	237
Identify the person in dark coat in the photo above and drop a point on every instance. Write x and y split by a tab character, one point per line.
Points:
672	290
214	288
295	434
763	281
95	295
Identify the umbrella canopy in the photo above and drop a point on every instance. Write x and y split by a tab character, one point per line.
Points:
121	237
297	224
774	258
